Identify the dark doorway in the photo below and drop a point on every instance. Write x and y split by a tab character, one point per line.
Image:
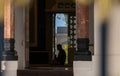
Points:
43	33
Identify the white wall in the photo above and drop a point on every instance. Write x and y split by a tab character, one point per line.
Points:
114	41
20	35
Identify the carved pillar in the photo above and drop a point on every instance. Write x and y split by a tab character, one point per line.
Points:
82	14
9	29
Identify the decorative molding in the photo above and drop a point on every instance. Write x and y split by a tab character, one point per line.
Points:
9	53
66	5
82	53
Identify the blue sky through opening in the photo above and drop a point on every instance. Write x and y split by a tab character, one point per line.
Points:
60	20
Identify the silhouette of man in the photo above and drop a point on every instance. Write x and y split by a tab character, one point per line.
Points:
61	55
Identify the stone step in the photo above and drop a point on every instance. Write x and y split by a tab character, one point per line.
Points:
46	72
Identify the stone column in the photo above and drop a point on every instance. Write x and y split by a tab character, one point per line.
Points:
9	56
82	14
9	53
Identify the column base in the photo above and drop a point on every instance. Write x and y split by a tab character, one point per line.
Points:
9	68
9	53
82	56
82	53
10	58
83	68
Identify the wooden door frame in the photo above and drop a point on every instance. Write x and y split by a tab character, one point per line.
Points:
27	36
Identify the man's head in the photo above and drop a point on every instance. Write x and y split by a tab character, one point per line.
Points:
59	46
